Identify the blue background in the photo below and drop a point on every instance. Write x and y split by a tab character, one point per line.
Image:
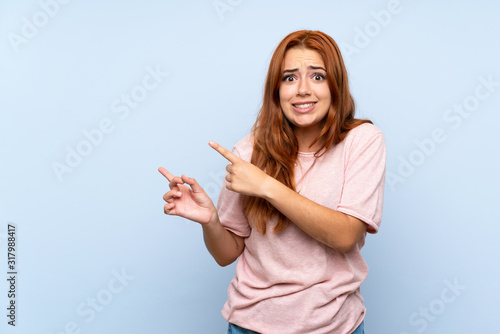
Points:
412	65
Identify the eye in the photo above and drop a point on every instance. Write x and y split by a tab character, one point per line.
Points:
319	76
288	78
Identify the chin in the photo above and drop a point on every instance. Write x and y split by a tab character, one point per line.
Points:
305	125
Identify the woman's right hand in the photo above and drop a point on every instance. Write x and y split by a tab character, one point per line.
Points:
189	202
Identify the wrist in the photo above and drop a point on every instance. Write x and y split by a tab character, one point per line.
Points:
269	187
214	220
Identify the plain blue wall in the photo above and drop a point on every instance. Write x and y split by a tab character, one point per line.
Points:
96	254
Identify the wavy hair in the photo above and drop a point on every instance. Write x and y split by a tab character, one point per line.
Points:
275	146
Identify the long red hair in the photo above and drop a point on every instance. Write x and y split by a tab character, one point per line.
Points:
275	147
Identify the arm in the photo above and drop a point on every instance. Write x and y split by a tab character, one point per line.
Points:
224	245
194	204
330	227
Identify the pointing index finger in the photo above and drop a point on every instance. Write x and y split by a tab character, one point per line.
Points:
224	152
166	173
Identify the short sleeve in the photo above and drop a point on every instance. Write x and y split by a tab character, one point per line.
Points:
364	176
230	209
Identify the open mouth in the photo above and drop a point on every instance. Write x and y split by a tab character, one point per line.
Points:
304	105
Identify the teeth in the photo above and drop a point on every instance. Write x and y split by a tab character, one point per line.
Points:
303	106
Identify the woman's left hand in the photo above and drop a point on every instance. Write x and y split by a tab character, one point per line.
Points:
243	177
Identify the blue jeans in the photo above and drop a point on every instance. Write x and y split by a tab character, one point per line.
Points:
360	329
233	329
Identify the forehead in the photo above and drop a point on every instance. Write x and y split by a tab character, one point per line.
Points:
302	58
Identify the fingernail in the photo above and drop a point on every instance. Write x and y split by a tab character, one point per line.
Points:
178	193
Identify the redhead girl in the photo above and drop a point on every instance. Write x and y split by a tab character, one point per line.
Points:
301	192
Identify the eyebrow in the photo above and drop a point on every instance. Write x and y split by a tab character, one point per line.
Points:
309	67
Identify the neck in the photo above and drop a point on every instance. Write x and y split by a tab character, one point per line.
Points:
305	138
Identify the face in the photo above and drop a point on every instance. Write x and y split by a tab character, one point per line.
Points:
304	94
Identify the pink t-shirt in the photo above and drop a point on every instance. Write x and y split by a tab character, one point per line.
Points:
288	282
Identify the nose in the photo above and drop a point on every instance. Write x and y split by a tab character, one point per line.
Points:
303	88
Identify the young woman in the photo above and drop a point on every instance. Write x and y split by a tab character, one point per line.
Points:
300	194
